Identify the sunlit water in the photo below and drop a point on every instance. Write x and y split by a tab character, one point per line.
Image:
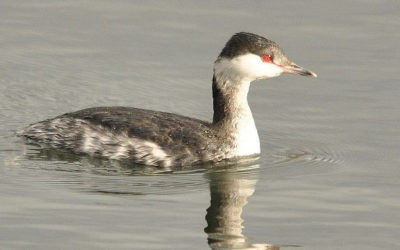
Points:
328	176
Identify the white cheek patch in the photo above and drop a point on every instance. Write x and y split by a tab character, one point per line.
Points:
255	68
248	67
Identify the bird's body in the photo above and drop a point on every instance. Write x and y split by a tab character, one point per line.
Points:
165	139
143	136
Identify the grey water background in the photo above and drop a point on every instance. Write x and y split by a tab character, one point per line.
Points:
328	176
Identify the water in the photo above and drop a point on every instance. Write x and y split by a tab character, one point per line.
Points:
328	176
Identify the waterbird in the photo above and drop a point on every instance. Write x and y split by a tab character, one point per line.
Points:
164	139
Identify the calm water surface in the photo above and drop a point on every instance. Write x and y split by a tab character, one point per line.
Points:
328	176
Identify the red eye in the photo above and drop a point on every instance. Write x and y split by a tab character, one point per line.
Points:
266	58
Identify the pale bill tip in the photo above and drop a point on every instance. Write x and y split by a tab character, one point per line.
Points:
312	74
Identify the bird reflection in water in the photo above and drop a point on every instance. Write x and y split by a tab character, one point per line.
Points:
230	192
230	188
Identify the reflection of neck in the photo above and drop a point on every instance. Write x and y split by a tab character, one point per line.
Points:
228	196
229	193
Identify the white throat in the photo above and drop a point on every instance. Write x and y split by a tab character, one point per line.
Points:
246	137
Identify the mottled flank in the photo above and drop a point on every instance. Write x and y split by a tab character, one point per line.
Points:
142	136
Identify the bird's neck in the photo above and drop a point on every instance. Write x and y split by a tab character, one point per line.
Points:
232	115
230	100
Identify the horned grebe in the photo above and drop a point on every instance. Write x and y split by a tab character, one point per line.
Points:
164	139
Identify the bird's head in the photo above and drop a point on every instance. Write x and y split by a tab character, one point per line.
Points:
248	57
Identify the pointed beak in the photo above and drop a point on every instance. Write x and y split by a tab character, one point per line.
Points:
296	69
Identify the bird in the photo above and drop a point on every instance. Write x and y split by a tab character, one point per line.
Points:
166	140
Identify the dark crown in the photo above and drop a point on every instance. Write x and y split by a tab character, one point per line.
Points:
243	43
